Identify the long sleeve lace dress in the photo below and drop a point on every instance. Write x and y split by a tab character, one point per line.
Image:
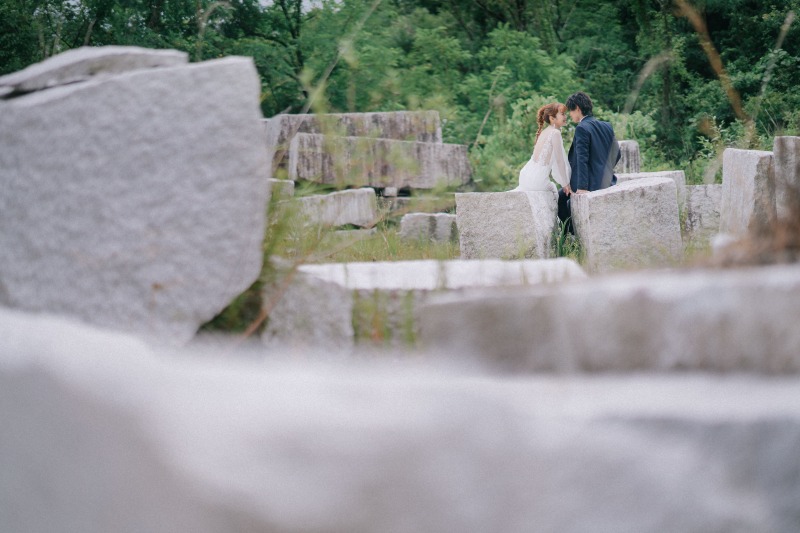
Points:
548	156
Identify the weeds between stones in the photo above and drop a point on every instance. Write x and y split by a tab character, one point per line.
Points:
566	244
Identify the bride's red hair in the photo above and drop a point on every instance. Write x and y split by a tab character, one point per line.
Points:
544	114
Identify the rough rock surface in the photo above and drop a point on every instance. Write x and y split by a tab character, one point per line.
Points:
365	161
103	434
718	321
702	213
381	298
438	227
116	205
630	159
358	207
308	311
505	225
748	190
81	64
422	126
630	225
786	152
678	176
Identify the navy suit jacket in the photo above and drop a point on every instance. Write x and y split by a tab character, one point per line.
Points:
593	155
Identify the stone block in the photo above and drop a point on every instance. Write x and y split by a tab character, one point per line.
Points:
358	207
421	126
281	189
693	320
786	152
81	64
748	190
382	297
146	441
702	213
506	225
365	161
305	310
630	225
398	206
678	176
630	161
439	227
116	205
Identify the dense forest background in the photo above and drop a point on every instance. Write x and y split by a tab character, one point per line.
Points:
683	78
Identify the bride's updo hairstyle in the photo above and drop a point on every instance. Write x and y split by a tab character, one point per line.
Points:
544	115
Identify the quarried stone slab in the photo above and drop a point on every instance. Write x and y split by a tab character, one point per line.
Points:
281	189
786	152
748	190
438	227
630	161
302	443
421	126
365	161
358	207
678	176
80	64
306	310
380	299
702	213
702	320
115	203
630	225
514	224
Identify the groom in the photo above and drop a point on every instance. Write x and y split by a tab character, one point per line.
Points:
593	155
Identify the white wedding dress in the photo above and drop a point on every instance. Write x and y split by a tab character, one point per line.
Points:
548	156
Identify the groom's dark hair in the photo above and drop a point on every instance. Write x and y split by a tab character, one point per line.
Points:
582	100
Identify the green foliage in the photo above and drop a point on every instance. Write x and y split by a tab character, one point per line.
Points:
498	158
478	63
565	244
386	245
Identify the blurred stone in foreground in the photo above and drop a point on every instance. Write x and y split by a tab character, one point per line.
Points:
133	198
337	304
102	434
704	320
81	64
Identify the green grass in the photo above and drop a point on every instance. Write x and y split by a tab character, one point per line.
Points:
386	245
566	245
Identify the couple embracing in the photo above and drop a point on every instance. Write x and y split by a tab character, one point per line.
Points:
592	156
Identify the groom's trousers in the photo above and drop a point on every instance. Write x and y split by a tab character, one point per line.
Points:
565	210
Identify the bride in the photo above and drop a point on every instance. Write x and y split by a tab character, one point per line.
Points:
548	152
